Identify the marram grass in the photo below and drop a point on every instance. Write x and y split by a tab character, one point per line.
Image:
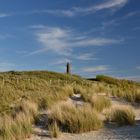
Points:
75	120
121	115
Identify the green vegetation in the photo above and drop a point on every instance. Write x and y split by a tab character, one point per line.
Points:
115	81
124	89
41	87
25	94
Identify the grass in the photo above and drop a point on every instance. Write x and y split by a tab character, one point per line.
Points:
78	89
97	102
125	89
121	115
29	108
16	128
55	95
54	130
75	120
18	125
22	94
41	87
100	103
115	81
46	88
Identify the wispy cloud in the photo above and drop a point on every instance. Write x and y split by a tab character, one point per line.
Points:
3	15
117	20
109	23
61	61
82	56
55	39
85	56
63	40
101	68
39	26
74	11
133	13
67	13
111	4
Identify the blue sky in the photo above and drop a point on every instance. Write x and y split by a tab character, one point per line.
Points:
96	36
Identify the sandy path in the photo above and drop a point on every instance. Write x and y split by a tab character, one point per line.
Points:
108	133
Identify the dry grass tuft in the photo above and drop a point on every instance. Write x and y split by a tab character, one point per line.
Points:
100	102
75	120
55	95
97	102
18	126
122	115
29	108
15	128
54	130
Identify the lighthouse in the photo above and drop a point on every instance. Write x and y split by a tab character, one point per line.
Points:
68	68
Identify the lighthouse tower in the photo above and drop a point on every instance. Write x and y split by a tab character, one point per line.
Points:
68	68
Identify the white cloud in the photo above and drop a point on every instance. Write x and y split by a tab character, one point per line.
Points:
133	13
3	15
55	39
40	26
110	4
67	13
63	40
101	68
61	61
98	41
85	57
